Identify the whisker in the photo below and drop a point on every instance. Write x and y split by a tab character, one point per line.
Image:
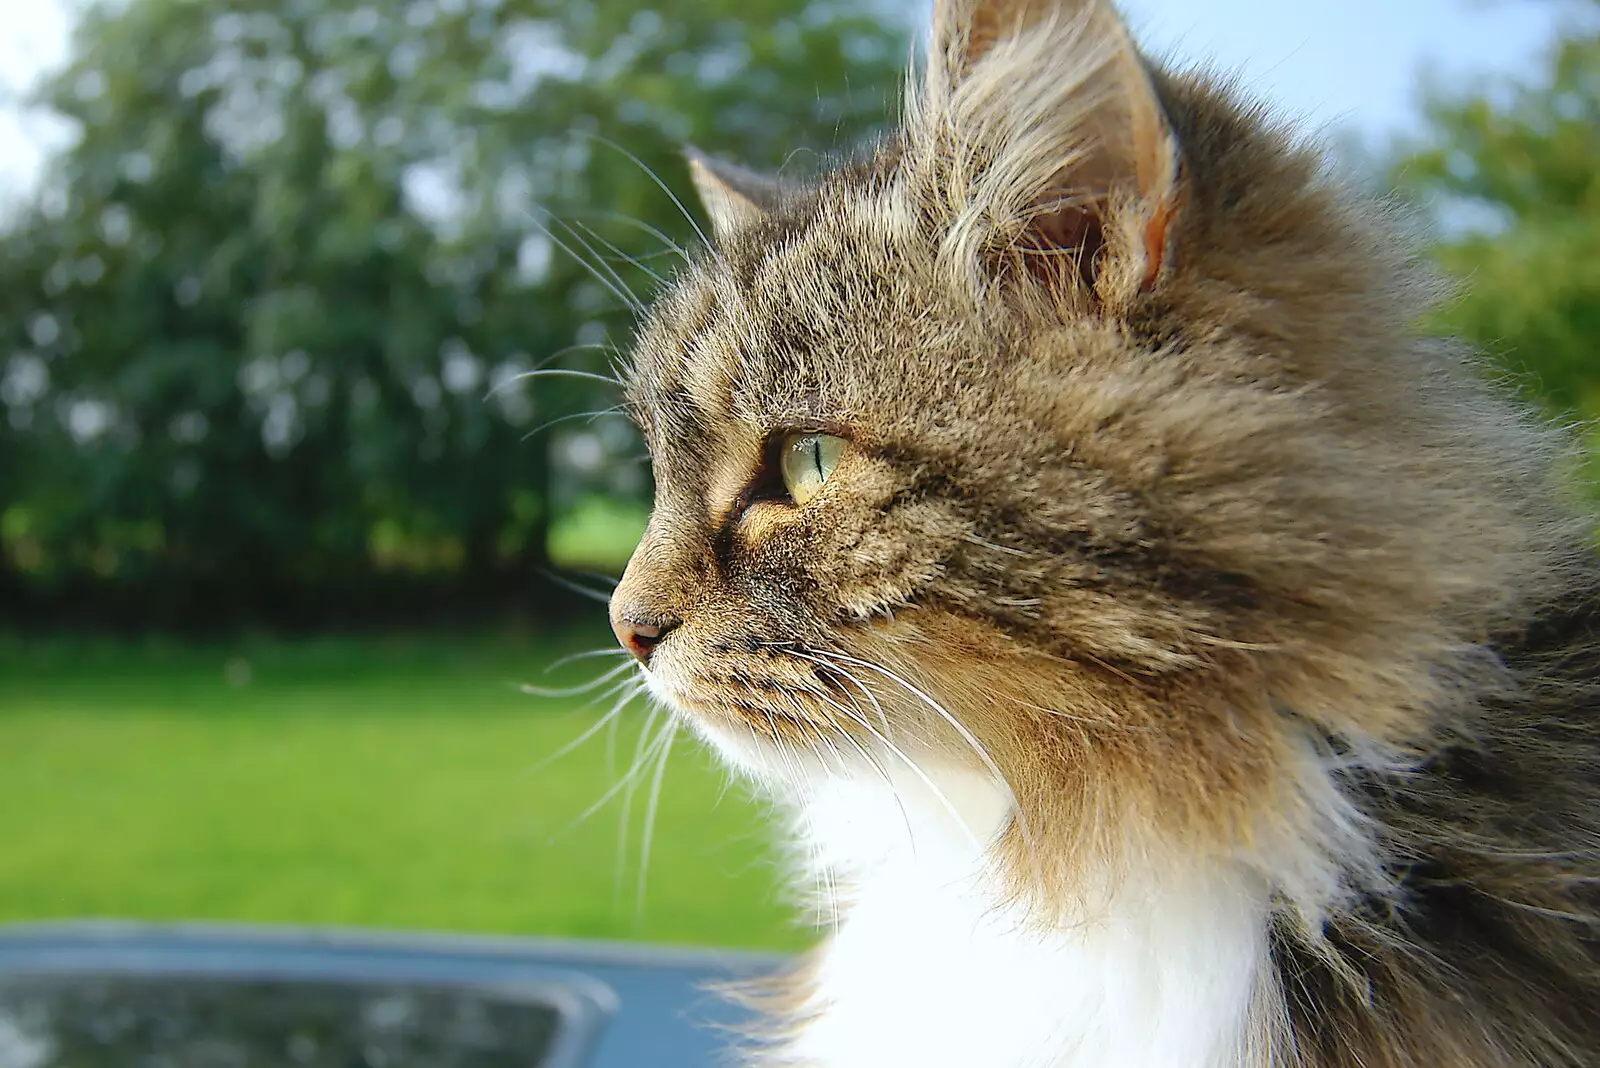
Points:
652	805
600	263
609	580
564	372
825	895
619	366
543	368
576	587
614	410
656	178
573	691
639	258
611	748
614	789
866	691
579	346
959	727
883	772
643	751
585	655
594	729
1008	550
911	765
625	258
1087	721
621	293
836	670
628	220
978	748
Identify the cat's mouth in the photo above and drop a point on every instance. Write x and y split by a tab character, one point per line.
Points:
790	695
796	713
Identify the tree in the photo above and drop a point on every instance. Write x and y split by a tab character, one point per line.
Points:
1513	176
263	327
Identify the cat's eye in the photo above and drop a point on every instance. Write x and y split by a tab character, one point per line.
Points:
806	461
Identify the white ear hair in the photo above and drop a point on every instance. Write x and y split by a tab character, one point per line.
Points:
1040	115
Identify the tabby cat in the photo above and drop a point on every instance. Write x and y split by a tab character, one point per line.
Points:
1169	657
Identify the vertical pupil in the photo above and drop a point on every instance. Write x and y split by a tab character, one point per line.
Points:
815	446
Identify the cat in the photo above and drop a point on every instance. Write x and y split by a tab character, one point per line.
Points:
1167	656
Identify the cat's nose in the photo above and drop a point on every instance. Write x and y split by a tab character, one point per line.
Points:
641	636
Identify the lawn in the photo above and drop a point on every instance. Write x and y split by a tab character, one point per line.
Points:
402	783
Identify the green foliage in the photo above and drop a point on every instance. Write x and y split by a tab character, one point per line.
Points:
394	784
1513	174
597	534
260	335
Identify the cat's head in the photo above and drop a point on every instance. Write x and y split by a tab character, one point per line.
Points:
1078	436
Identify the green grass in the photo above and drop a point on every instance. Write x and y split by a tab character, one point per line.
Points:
391	784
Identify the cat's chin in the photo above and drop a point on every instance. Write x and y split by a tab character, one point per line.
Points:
747	750
744	748
756	754
758	749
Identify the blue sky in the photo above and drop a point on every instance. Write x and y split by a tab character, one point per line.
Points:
1352	61
1329	62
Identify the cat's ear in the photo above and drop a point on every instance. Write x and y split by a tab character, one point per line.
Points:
1059	139
734	197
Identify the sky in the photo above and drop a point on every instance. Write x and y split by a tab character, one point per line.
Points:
1331	63
1353	62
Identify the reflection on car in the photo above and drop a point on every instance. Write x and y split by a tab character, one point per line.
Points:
99	995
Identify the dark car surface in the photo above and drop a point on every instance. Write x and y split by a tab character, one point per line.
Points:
118	995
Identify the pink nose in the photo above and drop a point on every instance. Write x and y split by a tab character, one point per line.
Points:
641	638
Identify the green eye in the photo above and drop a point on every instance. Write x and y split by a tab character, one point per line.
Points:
806	461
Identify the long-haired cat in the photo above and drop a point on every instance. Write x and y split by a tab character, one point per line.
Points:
1170	659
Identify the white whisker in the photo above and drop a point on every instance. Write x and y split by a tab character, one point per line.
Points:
579	588
594	729
643	751
621	292
610	650
911	765
613	791
630	260
616	411
866	691
672	246
652	804
564	372
656	178
883	772
600	263
978	748
1087	721
821	871
602	271
573	691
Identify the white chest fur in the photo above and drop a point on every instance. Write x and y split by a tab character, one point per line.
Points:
928	969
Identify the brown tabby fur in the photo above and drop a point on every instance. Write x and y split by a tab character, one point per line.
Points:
1155	489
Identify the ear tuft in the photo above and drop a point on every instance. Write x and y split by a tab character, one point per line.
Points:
965	30
734	197
1048	138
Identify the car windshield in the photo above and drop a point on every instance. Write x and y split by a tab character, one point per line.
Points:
207	1022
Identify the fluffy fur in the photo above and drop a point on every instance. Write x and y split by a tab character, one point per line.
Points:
1187	663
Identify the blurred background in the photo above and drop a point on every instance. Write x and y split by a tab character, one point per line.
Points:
287	530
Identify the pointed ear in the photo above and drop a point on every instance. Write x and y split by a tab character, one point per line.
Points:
1058	134
733	196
